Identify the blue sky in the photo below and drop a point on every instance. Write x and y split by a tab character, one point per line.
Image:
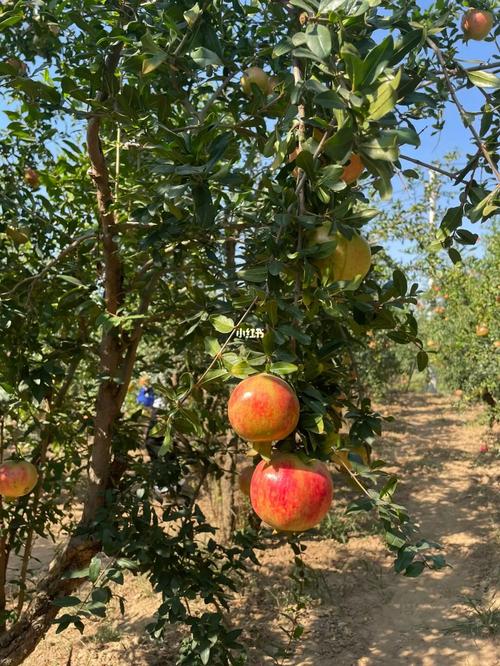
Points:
454	137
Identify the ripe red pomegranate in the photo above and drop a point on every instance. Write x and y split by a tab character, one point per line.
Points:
289	494
17	478
476	24
263	408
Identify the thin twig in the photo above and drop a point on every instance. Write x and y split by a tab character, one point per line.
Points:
429	166
298	76
353	476
220	352
461	110
130	356
46	441
213	98
476	68
64	253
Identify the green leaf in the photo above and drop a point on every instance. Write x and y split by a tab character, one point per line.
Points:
394	540
400	282
253	274
283	368
422	360
212	346
404	559
329	99
241	369
327	6
384	99
283	48
466	237
483	79
330	177
149	45
205	656
404	45
305	161
313	423
150	64
363	504
11	20
94	569
383	148
205	58
389	488
308	6
222	323
414	569
306	53
319	40
338	146
63	602
212	375
71	280
166	445
38	90
125	563
192	15
375	62
452	218
454	255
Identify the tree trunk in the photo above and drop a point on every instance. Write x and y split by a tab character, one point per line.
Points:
20	641
116	363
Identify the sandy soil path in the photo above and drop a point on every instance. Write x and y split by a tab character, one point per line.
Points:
357	611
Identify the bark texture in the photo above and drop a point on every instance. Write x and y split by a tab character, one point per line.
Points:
117	357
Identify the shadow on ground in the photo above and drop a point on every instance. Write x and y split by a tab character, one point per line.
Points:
357	611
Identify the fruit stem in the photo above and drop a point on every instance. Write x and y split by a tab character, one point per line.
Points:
351	474
219	353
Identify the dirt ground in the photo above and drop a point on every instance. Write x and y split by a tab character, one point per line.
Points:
357	611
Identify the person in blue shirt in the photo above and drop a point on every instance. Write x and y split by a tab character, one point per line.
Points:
146	396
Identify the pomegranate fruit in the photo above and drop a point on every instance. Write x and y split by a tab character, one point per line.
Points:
289	494
263	408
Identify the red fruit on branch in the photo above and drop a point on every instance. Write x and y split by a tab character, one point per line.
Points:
17	478
476	24
289	494
353	169
263	408
32	178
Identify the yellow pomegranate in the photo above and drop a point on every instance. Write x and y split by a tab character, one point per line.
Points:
350	260
257	76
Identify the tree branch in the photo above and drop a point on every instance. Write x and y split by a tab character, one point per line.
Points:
64	253
463	114
433	167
